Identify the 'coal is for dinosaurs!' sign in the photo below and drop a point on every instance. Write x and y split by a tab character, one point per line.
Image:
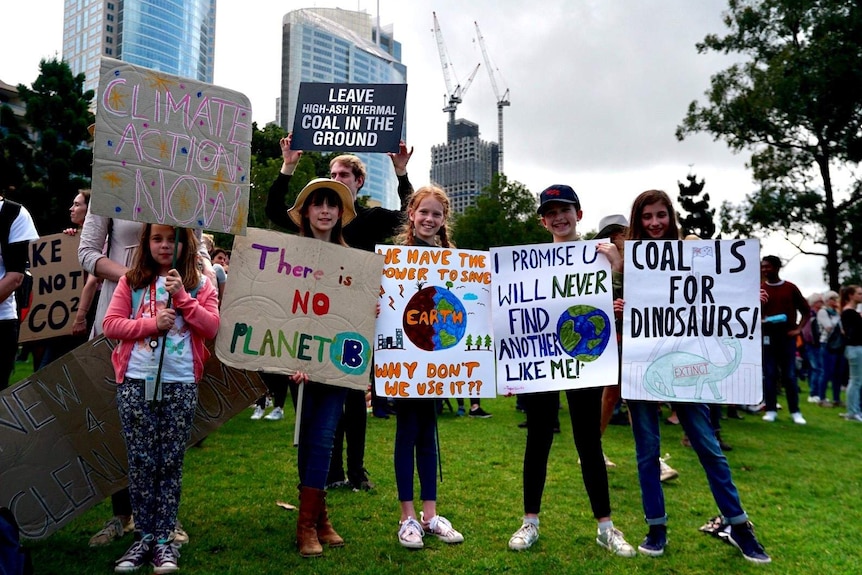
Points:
691	325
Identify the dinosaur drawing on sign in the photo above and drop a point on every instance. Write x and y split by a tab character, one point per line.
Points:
683	369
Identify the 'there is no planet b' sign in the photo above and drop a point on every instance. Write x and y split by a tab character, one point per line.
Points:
354	117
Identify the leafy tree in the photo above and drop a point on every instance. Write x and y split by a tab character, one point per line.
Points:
504	215
699	220
56	160
265	166
796	102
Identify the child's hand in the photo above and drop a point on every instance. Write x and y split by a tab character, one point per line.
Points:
165	319
173	282
299	377
619	305
611	252
70	231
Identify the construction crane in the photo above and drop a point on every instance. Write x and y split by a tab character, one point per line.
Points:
454	96
501	100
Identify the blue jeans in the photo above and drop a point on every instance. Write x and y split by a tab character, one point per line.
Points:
415	432
829	363
779	362
816	383
694	418
322	406
853	353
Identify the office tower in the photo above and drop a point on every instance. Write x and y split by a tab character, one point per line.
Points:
172	36
464	165
332	45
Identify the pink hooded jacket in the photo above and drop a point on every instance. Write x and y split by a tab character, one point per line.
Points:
200	313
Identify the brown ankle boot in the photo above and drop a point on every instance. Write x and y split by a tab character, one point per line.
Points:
326	534
306	524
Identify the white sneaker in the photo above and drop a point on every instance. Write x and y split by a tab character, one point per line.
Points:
608	463
258	412
410	534
666	471
813	399
613	539
275	414
442	528
797	418
524	537
770	416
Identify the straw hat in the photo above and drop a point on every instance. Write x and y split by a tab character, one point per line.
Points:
324	183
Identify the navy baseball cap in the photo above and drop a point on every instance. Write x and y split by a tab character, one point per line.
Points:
558	193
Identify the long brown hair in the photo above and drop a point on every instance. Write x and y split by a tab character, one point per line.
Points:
316	198
847	293
407	233
145	269
648	198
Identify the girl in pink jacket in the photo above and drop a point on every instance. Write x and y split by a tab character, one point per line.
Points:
162	313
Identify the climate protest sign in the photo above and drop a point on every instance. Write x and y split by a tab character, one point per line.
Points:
691	325
295	303
57	283
553	318
170	150
61	448
355	117
434	329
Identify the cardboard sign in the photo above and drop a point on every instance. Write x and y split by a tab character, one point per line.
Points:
294	303
691	326
61	448
355	117
434	329
57	283
170	150
553	318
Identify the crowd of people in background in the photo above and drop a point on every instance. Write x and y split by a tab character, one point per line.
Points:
818	338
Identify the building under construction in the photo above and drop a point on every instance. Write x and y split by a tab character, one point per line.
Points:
465	164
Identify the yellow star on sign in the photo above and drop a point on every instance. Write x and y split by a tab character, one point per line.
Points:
118	98
219	180
159	82
241	216
113	179
163	148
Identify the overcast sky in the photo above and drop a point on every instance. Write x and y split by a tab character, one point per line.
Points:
597	88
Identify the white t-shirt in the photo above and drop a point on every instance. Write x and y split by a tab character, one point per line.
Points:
22	230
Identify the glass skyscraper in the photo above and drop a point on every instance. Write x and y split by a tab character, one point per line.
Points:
172	36
341	46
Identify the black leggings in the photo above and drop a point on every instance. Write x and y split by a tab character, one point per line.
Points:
585	410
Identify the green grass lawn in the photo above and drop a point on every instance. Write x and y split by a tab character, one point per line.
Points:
799	484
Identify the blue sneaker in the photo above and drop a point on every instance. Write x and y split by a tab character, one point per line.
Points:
742	537
655	541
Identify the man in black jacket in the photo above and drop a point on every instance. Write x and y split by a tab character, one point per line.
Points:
370	227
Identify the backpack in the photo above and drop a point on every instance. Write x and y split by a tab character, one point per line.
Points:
811	331
14	560
8	213
836	341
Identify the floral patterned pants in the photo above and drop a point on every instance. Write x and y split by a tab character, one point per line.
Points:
156	434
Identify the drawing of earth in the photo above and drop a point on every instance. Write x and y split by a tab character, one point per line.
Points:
434	319
584	332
